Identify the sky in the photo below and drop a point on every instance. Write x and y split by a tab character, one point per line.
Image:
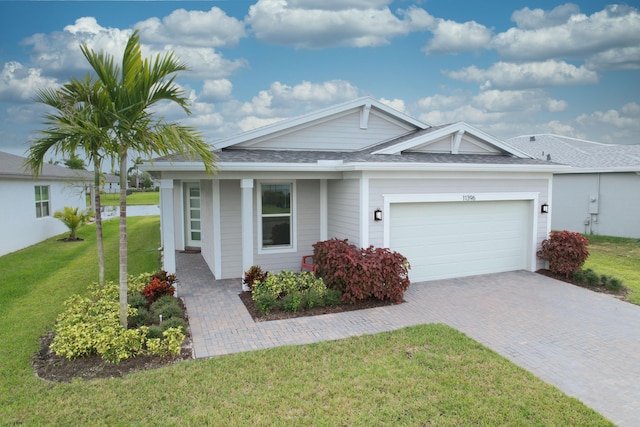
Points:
508	68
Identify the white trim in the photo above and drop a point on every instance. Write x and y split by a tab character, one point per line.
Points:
364	212
293	247
246	204
462	198
217	229
452	129
364	115
324	210
166	226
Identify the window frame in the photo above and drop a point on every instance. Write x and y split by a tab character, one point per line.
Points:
292	246
41	202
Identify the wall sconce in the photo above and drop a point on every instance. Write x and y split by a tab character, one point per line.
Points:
377	215
544	208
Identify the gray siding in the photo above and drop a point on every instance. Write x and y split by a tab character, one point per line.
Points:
340	134
615	212
344	211
307	219
231	230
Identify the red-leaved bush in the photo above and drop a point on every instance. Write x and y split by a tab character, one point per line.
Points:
361	273
566	252
161	284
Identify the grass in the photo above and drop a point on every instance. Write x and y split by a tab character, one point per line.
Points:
428	374
133	199
618	257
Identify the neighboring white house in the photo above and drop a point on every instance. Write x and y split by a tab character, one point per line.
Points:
600	194
26	212
452	199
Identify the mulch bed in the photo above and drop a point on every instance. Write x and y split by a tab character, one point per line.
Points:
245	297
51	367
621	294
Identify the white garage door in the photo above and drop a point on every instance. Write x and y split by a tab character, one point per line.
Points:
443	240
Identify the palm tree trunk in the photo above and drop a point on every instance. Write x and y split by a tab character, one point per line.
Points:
99	241
123	240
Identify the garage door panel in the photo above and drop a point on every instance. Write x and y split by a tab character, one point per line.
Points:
457	239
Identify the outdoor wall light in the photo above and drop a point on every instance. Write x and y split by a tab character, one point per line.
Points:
544	208
377	215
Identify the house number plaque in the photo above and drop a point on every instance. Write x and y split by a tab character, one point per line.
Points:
468	198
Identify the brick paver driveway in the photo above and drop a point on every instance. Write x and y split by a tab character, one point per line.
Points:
584	343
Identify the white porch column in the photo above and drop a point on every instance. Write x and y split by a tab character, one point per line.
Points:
246	186
324	210
364	212
217	230
167	236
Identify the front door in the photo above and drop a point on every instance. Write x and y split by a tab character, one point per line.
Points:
193	226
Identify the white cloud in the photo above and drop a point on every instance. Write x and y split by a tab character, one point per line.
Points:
20	84
574	35
337	4
517	100
318	93
628	117
308	24
454	37
252	122
212	28
530	19
625	58
216	90
504	75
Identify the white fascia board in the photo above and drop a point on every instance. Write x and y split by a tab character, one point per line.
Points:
616	169
359	166
453	129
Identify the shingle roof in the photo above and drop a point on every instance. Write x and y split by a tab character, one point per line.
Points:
12	166
579	153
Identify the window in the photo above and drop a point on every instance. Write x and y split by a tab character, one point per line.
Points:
276	215
42	201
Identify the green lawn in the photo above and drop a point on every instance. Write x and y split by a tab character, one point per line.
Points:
135	198
428	374
618	257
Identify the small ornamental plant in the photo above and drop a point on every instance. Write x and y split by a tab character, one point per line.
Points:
161	284
566	252
253	275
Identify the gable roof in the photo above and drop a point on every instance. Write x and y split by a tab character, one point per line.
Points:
363	106
360	135
579	153
12	166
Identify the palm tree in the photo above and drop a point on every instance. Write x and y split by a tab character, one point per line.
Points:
73	219
132	91
77	123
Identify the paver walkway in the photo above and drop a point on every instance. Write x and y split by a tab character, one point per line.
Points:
586	344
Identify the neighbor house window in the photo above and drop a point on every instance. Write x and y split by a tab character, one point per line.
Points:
42	201
276	215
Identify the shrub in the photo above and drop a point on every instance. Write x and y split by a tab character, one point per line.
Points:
254	274
291	302
154	331
612	283
362	273
169	343
332	298
265	302
158	288
137	301
566	252
168	306
141	318
591	277
174	322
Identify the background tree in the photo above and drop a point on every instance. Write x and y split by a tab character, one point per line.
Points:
74	162
78	122
73	219
133	90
